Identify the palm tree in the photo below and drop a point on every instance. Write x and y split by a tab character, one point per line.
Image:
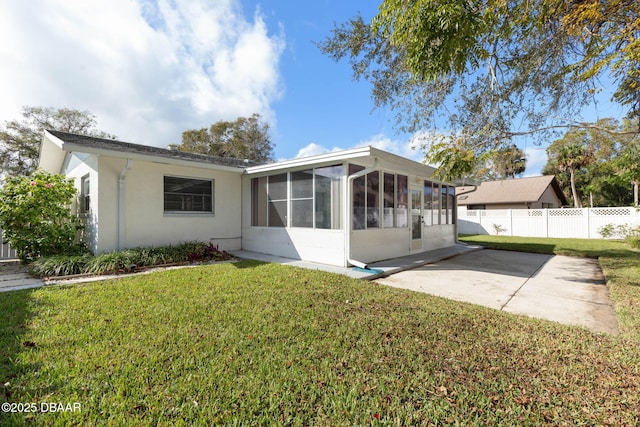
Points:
509	162
571	154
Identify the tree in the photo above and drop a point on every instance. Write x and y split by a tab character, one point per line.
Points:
608	178
571	154
627	162
35	215
245	138
509	162
20	139
488	66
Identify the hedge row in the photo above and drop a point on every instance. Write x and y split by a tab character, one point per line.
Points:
126	261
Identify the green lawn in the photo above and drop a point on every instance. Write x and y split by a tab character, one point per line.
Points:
261	344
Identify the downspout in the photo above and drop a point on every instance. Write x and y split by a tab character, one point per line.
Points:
455	230
349	222
121	204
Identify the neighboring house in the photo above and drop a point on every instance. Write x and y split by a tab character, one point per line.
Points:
522	193
344	208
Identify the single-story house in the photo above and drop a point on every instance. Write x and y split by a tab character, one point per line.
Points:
536	192
343	208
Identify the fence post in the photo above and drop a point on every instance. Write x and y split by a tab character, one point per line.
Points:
545	222
510	222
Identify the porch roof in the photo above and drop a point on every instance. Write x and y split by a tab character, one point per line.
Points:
365	155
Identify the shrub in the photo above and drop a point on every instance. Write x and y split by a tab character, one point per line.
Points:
127	260
35	215
498	228
60	265
633	241
620	231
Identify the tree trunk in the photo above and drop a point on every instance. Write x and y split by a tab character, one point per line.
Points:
636	184
577	203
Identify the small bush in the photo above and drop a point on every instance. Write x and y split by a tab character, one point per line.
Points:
60	265
633	241
498	229
113	262
620	231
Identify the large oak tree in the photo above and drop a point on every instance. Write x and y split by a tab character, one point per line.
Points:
244	138
20	139
491	70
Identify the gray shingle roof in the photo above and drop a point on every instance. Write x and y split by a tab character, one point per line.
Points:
127	147
521	190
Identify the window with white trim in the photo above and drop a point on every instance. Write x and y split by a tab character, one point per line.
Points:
277	200
389	200
312	197
302	198
85	194
188	195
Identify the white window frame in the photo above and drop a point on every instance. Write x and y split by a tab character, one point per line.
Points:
186	211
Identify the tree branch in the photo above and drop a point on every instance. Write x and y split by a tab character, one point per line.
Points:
577	125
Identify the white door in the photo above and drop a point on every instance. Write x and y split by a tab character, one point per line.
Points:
416	219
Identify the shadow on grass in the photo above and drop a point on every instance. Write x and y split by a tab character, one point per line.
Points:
587	248
16	313
536	248
249	263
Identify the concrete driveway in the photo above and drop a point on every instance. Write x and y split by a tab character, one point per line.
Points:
568	290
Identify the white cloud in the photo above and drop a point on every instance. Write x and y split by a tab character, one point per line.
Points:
314	149
148	69
380	141
402	148
536	160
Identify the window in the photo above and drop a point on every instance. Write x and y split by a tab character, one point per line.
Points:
85	194
302	198
328	196
443	206
373	197
312	197
437	203
428	203
389	200
359	202
188	194
403	191
451	198
259	202
277	200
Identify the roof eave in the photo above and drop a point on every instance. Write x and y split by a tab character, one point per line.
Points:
154	158
335	156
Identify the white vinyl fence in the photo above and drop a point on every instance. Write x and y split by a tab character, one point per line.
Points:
6	251
580	223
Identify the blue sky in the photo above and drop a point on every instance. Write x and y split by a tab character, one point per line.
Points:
150	69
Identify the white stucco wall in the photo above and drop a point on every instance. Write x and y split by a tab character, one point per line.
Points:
146	224
316	245
380	244
76	166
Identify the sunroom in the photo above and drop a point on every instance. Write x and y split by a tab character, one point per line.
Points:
346	208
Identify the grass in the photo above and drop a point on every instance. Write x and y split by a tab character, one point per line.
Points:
263	344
